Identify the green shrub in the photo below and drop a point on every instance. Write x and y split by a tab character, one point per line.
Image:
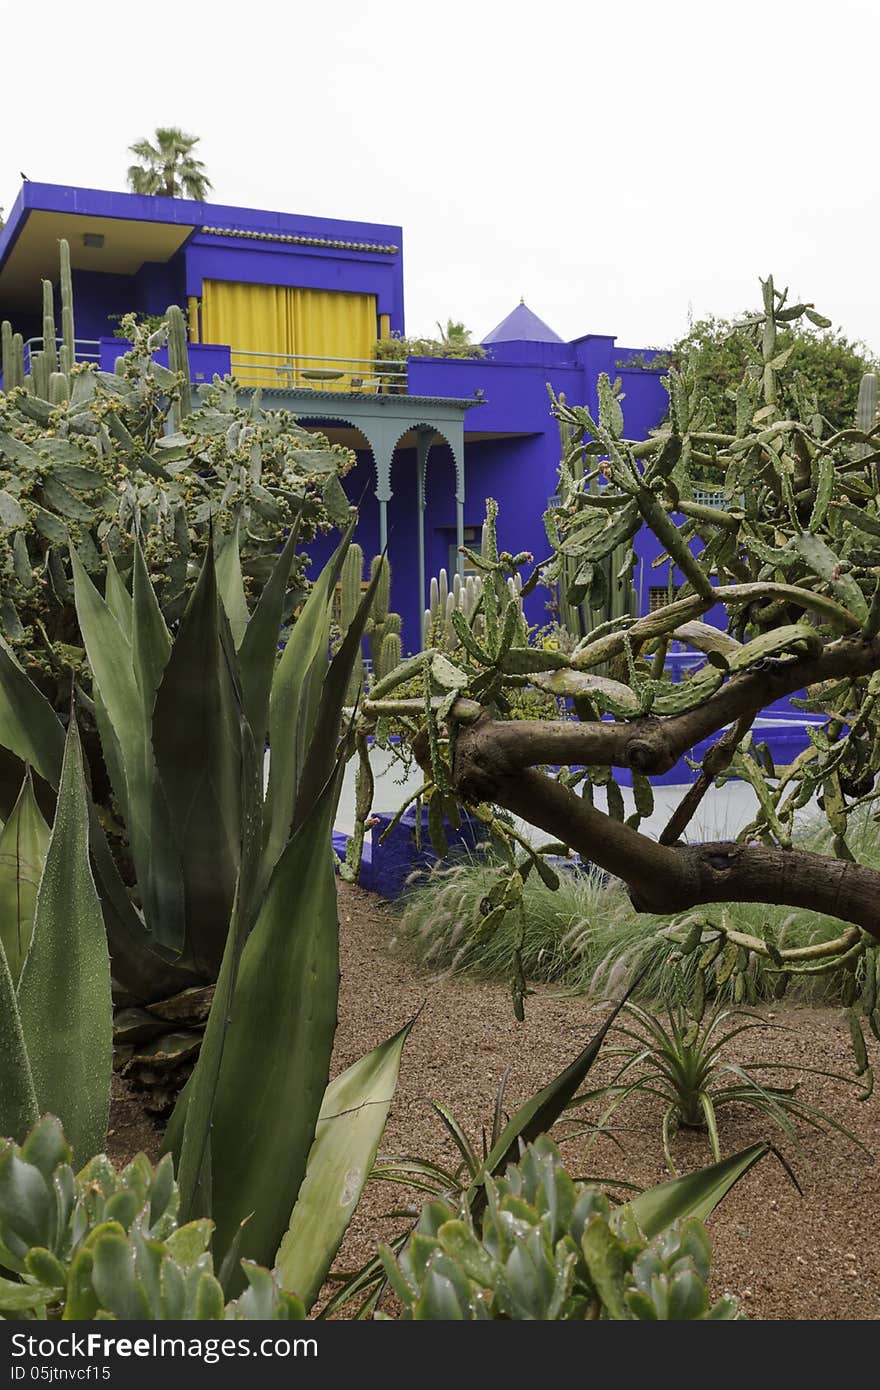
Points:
233	876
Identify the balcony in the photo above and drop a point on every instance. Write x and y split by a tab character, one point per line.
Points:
271	371
349	375
85	350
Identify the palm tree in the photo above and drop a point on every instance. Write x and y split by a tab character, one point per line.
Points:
168	168
454	334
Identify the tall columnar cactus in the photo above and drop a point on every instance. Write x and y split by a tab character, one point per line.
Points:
383	589
59	388
12	360
68	334
866	409
49	330
40	374
390	654
464	597
178	361
350	583
378	625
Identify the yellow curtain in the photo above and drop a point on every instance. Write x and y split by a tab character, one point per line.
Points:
192	309
288	322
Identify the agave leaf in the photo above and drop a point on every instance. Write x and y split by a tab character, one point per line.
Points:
19	1110
350	1126
322	750
694	1194
258	652
276	1056
128	756
542	1109
189	1132
29	727
64	992
230	583
293	706
197	744
150	640
23	843
116	596
31	731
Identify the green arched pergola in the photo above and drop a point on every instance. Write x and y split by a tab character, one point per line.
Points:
383	420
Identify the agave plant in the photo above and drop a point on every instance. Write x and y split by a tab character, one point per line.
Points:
55	1005
233	883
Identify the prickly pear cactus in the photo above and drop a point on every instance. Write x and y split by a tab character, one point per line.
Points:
87	458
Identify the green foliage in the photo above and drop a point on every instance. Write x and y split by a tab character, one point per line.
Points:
591	592
107	1244
131	323
233	878
167	166
449	344
787	547
550	1248
55	1036
586	935
830	366
687	1063
471	1187
99	465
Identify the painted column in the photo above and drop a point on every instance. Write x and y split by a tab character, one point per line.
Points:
424	440
455	437
382	436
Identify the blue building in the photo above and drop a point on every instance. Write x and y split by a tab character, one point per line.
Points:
296	305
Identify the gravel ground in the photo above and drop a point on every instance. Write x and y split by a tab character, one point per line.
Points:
786	1256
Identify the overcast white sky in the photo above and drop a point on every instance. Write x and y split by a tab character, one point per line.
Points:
615	164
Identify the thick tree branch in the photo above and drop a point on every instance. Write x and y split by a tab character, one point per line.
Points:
650	744
717	760
672	878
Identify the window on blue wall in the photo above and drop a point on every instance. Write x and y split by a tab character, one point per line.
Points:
711	499
472	536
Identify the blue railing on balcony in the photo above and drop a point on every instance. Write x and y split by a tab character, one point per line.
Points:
274	370
84	349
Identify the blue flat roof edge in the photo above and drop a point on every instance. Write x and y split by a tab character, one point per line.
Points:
388	402
138	207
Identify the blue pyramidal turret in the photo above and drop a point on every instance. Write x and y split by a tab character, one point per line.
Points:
522	326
